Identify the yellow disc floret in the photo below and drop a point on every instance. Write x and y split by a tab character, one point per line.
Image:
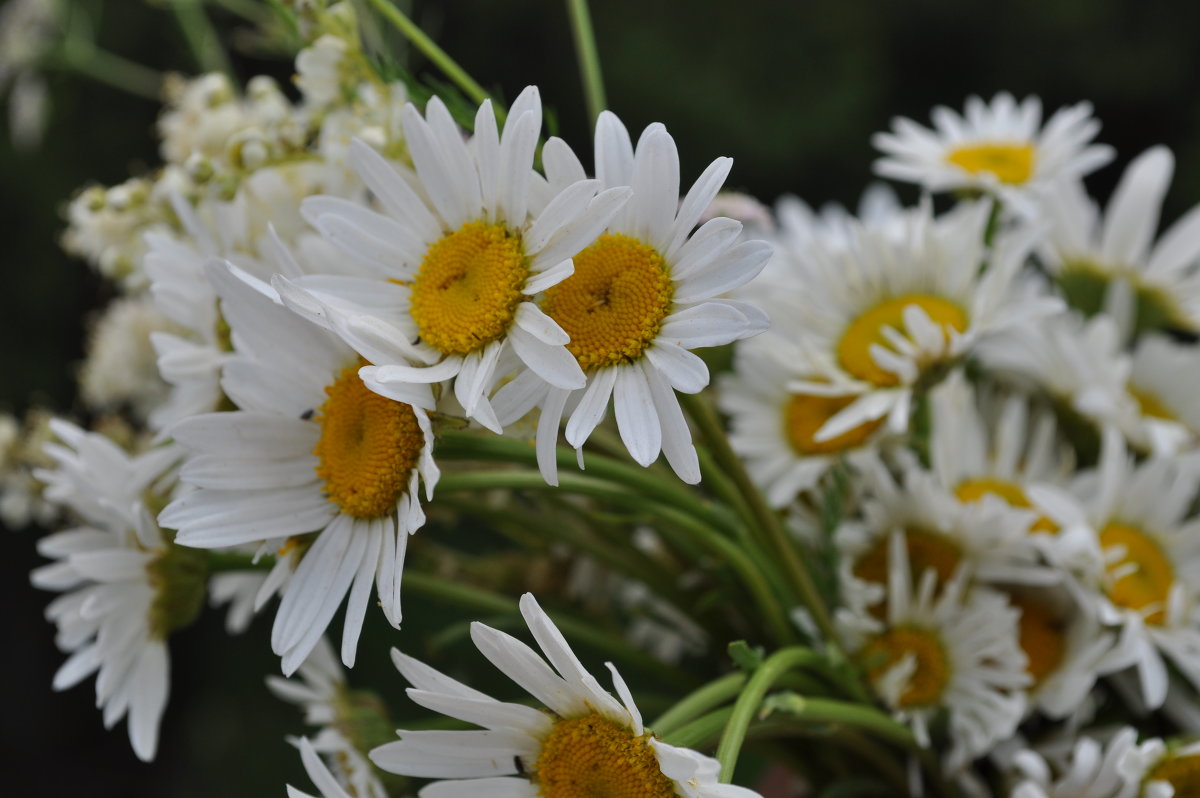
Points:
1010	163
468	287
614	303
368	448
932	672
854	348
1181	772
1150	405
805	414
1041	637
973	490
594	757
1142	577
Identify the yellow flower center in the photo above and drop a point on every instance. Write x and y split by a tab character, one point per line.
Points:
1181	772
593	757
854	348
805	414
468	287
1142	578
368	448
1042	638
932	673
1151	405
973	490
1010	163
614	303
925	550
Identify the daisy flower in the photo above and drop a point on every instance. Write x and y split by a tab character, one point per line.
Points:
325	781
895	305
125	587
1089	253
1001	148
1092	770
643	295
1163	770
941	648
310	450
583	742
1147	554
774	430
461	255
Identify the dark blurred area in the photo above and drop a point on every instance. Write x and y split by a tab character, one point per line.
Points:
793	91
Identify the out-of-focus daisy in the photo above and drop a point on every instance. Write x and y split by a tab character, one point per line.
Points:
122	367
643	295
774	430
21	450
1092	770
584	742
1163	770
1148	555
29	30
1001	148
125	586
310	450
463	265
890	308
1089	254
344	720
942	647
325	781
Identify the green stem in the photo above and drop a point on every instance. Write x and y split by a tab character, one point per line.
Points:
752	695
111	69
431	586
201	36
589	58
700	730
726	550
763	517
220	562
698	702
435	54
825	710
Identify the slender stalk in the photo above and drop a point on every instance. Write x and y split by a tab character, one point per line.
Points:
431	586
752	695
111	69
698	702
825	710
435	54
699	533
700	730
763	517
201	36
589	58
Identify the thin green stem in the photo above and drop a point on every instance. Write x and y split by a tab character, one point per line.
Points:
435	54
826	710
201	36
763	517
698	702
589	58
474	598
752	695
100	65
696	531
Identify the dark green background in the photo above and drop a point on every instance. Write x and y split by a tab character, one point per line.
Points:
793	91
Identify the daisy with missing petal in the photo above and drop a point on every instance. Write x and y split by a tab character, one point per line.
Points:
584	742
774	430
313	464
125	587
1147	556
942	648
1001	148
1089	254
643	295
460	256
893	307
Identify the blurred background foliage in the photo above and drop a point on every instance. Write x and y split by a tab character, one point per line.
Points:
793	91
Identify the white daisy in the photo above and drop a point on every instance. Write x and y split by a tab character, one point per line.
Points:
1146	556
940	648
1000	148
311	450
583	742
463	265
1163	770
1092	770
882	313
320	775
643	295
774	430
1089	255
125	586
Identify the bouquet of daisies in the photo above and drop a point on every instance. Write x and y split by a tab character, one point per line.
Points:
894	502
